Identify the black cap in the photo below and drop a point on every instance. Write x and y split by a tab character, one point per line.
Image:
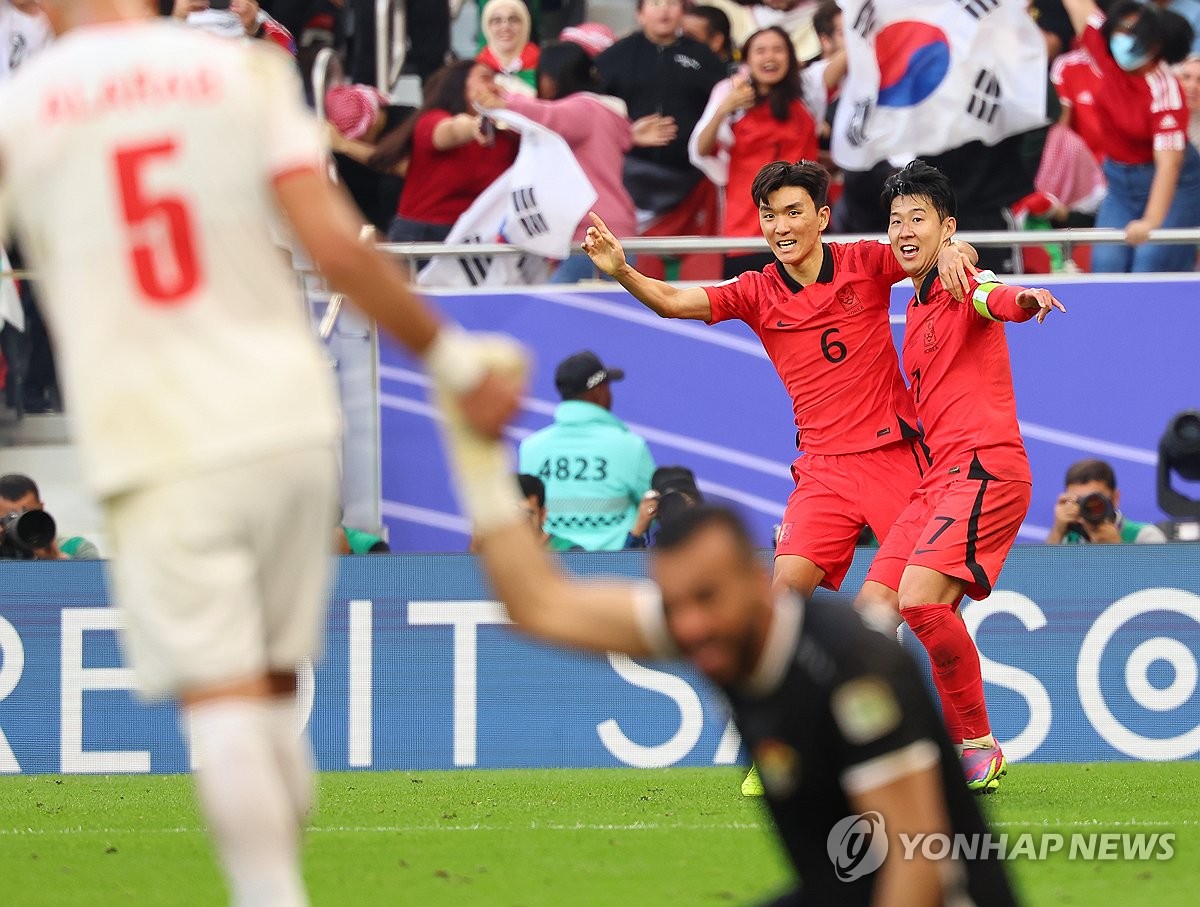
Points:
582	372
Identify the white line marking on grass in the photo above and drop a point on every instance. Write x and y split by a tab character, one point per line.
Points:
1096	823
413	829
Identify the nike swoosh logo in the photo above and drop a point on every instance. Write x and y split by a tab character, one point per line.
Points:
785	324
922	550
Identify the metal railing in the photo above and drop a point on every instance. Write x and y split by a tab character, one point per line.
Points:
391	40
682	245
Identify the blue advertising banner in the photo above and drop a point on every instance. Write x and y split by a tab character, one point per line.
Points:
1100	381
1088	655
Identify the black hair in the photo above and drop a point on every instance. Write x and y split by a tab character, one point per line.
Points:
1091	471
1162	34
780	95
825	17
1179	36
15	486
446	90
919	178
532	487
686	524
570	66
807	175
717	22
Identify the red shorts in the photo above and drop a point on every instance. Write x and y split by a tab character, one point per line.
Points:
836	494
961	527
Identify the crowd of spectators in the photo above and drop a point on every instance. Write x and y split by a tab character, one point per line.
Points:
710	91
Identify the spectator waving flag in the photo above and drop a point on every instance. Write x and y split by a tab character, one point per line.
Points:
536	204
926	76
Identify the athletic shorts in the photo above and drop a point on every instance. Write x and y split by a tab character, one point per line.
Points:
961	527
224	576
836	494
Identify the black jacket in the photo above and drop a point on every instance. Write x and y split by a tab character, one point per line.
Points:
674	80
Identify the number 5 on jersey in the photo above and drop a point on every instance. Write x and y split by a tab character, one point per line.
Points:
162	245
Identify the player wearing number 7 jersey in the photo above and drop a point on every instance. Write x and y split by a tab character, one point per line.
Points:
964	517
143	164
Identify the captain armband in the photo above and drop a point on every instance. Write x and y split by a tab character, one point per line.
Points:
986	282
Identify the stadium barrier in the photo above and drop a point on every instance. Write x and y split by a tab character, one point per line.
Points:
1103	380
1089	654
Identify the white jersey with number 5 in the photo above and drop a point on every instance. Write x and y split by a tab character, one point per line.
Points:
137	162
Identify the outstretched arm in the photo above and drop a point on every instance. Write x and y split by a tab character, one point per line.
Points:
1080	11
997	302
606	253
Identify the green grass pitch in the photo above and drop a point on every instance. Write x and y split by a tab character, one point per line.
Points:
582	837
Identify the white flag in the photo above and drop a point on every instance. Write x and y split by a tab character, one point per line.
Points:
549	194
483	223
926	76
536	205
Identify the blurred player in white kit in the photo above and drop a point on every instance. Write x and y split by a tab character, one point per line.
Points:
142	163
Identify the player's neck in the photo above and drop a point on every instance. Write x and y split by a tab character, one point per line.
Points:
918	280
806	271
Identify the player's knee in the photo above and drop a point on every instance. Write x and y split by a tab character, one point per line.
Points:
876	596
801	578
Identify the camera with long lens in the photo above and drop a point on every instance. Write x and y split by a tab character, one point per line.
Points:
22	533
1097	508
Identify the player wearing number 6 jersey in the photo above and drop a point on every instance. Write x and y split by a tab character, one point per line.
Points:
964	517
143	164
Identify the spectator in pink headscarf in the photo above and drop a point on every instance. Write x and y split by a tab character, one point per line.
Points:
596	127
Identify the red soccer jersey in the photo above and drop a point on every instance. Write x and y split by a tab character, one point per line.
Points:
759	138
1076	79
441	185
831	343
1140	114
956	358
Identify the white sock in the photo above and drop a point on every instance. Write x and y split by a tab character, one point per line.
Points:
244	797
979	743
294	755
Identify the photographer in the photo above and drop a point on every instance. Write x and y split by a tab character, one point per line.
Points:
1086	511
672	490
28	538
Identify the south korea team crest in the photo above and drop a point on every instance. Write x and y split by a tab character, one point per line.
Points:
849	299
930	336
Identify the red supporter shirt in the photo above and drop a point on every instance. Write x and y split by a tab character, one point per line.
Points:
1076	79
956	359
831	343
759	138
441	185
1140	114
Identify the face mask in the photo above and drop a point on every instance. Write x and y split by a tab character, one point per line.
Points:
1126	52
